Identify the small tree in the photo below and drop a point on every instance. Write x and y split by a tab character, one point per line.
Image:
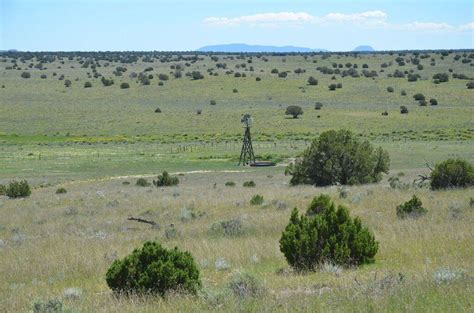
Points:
433	102
326	234
87	85
332	87
403	109
452	173
124	85
156	270
312	81
294	111
339	157
390	89
166	180
411	208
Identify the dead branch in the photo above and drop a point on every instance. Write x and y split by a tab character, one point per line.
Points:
141	220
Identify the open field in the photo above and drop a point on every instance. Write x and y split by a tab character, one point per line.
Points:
91	140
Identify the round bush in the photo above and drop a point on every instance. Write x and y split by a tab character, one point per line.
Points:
419	96
326	234
142	182
312	81
157	110
452	173
124	85
433	102
403	110
156	270
390	89
318	106
61	190
87	85
411	208
339	157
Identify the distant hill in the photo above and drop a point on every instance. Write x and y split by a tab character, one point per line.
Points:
364	49
241	47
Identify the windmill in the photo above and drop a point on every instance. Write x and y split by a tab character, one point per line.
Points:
247	155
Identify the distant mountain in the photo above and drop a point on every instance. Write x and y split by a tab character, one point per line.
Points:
364	49
241	47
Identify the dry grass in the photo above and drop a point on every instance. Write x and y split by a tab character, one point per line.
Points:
54	242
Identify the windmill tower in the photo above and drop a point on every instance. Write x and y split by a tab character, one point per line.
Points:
247	155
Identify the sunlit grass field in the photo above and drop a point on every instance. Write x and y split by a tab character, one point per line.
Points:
92	140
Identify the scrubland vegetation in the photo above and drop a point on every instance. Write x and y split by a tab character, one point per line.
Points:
119	189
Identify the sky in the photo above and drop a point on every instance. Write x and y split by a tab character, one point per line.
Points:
183	25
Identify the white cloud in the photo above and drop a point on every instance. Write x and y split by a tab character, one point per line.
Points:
363	17
421	26
373	19
468	26
262	18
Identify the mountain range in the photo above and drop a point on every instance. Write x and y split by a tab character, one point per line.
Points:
241	47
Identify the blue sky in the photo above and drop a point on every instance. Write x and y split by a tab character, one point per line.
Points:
337	25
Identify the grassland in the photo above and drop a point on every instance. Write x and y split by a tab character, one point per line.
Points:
91	140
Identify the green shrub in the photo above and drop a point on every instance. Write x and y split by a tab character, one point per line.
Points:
156	270
26	75
441	77
3	190
318	106
166	180
18	189
403	110
249	183
213	102
230	184
294	111
61	190
50	306
87	85
419	96
390	89
197	75
329	235
423	103
433	102
339	157
411	208
332	87
124	85
256	200
470	85
319	204
452	173
142	182
312	81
